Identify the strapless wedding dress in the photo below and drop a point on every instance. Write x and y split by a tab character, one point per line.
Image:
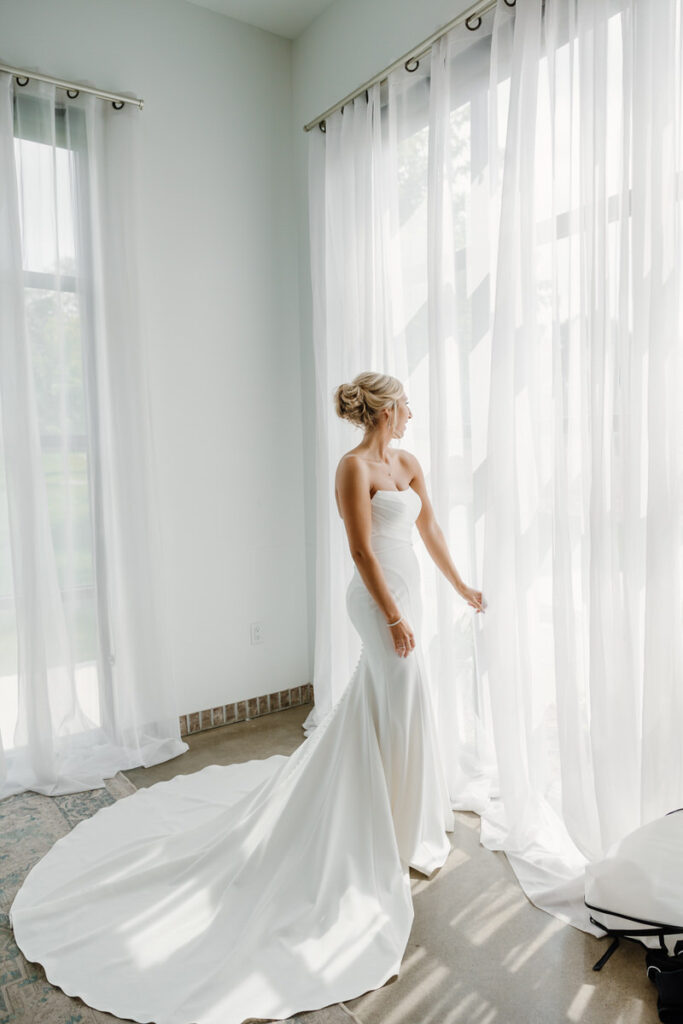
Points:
261	889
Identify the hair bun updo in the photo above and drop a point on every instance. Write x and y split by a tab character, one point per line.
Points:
365	396
350	404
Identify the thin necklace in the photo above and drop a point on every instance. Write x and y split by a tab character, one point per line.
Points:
384	464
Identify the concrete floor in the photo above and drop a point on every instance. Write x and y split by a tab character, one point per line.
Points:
479	952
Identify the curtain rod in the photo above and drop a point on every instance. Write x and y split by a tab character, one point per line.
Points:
70	86
472	14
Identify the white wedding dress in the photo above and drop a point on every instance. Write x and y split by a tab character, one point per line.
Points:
261	889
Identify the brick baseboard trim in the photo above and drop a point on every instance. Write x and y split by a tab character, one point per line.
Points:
244	710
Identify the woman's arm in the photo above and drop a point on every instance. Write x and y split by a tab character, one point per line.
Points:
434	539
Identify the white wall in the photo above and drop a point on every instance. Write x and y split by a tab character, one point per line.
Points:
219	293
349	43
352	40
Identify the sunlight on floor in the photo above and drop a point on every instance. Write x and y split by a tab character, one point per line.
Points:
519	956
580	1002
408	1008
497	911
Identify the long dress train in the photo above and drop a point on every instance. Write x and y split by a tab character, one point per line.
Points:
262	889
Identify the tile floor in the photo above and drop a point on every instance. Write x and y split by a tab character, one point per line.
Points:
479	952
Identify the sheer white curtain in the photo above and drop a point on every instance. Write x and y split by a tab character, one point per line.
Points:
380	242
538	172
585	441
356	327
85	685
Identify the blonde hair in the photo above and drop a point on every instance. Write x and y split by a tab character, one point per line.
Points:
366	396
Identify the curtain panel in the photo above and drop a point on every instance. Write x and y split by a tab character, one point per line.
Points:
533	171
356	299
85	683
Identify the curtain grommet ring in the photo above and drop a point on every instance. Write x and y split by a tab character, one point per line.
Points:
473	22
414	61
73	93
323	127
510	3
118	104
22	80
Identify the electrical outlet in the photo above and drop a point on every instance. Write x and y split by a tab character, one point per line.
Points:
257	632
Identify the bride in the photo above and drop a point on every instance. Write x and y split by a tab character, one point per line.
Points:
258	890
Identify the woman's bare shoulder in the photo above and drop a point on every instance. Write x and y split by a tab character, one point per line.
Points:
352	472
350	461
409	461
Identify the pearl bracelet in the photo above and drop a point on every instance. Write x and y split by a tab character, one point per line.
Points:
394	623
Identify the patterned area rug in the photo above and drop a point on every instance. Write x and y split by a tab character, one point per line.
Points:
29	825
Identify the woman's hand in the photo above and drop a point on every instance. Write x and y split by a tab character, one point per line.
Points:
475	598
403	638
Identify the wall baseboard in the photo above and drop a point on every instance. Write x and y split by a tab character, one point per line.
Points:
245	710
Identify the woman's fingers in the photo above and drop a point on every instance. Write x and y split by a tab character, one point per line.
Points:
476	600
404	643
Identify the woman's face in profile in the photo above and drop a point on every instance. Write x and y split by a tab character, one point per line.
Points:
403	414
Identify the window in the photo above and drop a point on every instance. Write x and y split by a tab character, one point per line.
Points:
48	147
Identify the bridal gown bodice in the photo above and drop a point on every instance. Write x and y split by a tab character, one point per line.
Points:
261	889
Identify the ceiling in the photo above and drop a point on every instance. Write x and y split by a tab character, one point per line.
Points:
286	18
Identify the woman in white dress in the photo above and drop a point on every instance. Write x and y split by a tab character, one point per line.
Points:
258	890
